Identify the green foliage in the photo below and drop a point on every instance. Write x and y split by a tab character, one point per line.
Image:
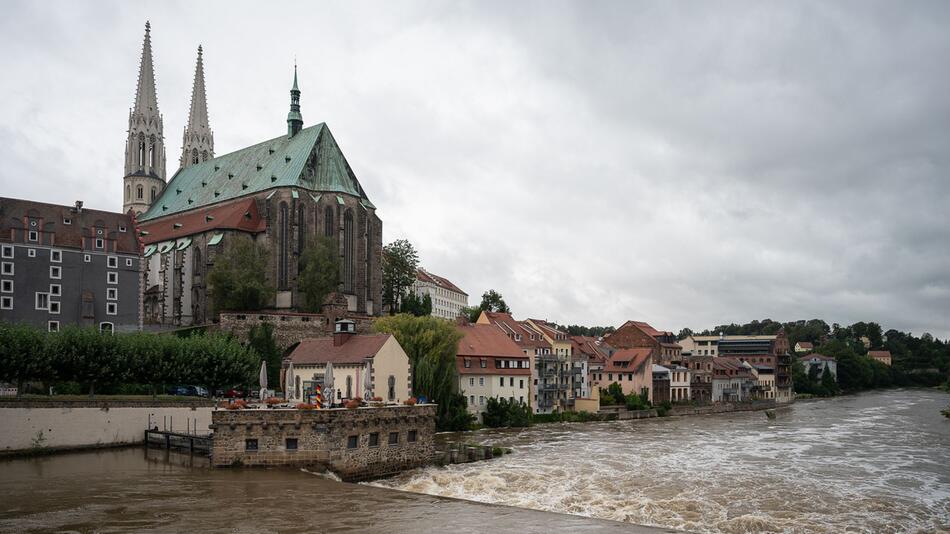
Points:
414	305
492	301
612	395
664	409
432	345
82	359
637	402
592	331
453	416
471	313
319	272
238	279
500	412
400	262
566	417
261	340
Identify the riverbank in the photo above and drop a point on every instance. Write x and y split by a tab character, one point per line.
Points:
156	491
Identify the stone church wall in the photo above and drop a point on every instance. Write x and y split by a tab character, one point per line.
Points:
289	327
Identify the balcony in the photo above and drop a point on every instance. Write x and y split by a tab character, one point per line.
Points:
549	387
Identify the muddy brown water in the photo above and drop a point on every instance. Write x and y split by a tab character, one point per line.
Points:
877	462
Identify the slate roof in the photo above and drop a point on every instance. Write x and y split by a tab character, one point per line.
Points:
278	162
82	224
353	351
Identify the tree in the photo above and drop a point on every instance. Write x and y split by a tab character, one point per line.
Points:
432	346
239	277
86	356
828	383
400	262
414	305
492	301
471	313
319	272
261	341
23	355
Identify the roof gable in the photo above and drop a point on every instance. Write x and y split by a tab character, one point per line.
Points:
311	160
355	350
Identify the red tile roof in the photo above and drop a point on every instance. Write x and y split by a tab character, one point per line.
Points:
426	276
879	353
14	214
588	346
635	359
240	215
322	350
805	344
487	340
512	328
815	355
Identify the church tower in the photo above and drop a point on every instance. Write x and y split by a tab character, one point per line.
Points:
198	141
145	147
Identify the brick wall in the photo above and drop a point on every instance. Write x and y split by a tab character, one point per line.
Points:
629	336
323	439
289	327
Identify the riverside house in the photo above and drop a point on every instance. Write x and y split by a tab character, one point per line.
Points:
632	369
491	365
351	355
731	381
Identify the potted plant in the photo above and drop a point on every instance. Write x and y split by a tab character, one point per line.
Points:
272	402
306	406
353	404
376	402
411	401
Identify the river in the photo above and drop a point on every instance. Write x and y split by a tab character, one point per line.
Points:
876	462
873	462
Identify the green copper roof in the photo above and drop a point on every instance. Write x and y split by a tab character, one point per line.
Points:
279	162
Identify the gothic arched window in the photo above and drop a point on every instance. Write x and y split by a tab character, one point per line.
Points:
301	230
141	153
194	155
369	258
154	194
204	155
128	192
151	155
197	266
328	222
282	239
349	251
139	192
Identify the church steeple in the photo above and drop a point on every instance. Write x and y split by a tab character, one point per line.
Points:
198	140
145	147
294	118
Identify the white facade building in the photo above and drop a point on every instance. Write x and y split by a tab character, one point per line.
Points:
447	299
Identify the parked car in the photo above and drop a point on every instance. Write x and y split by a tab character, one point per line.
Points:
188	391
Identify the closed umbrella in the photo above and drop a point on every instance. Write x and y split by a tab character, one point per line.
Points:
289	381
328	392
263	380
367	384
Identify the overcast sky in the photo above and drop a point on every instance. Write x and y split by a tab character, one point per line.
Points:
687	164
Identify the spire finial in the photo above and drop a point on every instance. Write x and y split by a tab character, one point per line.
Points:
199	50
294	119
148	26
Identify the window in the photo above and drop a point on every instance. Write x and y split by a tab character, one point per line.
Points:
56	256
106	328
250	445
42	301
67	221
468	363
113	278
511	381
502	381
352	442
122	226
31	252
411	436
112	293
154	194
484	364
54	307
393	438
7	251
471	381
138	192
283	234
34	236
86	258
392	388
99	243
55	290
55	272
481	381
6	303
521	384
481	400
290	444
471	400
6	286
111	308
7	267
52	326
113	262
128	262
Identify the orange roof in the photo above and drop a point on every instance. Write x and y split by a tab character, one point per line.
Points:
879	353
635	358
512	328
487	340
240	215
426	276
322	350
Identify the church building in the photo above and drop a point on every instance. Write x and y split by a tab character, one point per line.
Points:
276	193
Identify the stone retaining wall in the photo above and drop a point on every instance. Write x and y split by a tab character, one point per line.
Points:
338	439
291	327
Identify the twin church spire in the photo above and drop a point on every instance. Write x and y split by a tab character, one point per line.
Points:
145	147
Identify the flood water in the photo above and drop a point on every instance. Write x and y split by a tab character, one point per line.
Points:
877	462
874	462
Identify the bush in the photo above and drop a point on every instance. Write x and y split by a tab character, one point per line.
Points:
637	402
501	412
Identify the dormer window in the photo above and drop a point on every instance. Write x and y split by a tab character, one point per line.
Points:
121	228
99	242
33	235
67	221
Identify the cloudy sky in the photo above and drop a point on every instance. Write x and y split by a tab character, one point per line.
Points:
688	164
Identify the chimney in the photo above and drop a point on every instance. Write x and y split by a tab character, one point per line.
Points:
78	208
344	330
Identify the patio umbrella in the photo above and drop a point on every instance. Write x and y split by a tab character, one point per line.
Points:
367	384
328	385
289	381
263	380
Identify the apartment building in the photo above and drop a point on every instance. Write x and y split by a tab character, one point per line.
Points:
447	298
491	365
69	265
638	334
574	367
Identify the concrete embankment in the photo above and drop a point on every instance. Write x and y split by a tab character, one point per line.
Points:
36	427
619	413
